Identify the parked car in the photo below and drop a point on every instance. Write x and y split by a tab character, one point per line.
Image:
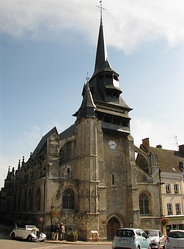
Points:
28	232
175	239
131	238
157	238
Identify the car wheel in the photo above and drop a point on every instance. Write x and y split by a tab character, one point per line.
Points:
29	238
13	235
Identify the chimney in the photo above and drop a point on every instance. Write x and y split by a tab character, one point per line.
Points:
145	143
181	149
159	146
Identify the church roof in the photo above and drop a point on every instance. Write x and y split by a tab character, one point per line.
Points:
68	132
43	141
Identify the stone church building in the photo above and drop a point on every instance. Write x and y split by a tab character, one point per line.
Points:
86	176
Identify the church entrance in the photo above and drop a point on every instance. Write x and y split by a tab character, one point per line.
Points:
112	226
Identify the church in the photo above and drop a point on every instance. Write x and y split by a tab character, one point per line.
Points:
86	177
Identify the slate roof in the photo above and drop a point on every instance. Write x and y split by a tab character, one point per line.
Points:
168	160
68	132
43	141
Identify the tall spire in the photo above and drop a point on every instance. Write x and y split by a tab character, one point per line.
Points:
101	53
101	94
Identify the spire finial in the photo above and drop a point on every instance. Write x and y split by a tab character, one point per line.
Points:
101	8
87	78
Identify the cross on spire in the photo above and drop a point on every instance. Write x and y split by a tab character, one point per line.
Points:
101	10
87	77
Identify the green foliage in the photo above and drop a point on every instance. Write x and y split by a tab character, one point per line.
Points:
72	236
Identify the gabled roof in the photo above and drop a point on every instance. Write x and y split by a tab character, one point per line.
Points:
43	141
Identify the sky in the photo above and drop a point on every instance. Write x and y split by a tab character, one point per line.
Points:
48	48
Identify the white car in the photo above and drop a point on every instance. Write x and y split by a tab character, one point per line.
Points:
175	239
131	238
157	238
28	232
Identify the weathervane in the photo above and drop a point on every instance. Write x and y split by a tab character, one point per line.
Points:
101	8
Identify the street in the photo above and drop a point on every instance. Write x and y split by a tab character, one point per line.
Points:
16	244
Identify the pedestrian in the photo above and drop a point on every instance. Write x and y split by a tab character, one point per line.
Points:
52	231
56	231
62	232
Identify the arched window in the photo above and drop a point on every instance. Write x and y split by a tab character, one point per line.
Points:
144	203
68	199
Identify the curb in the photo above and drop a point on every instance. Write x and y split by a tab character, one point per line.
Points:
79	242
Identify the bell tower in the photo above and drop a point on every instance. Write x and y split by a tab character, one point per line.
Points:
104	150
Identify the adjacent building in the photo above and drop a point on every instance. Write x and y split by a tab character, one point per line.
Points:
171	174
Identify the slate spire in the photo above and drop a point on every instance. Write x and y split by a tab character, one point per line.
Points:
101	94
101	52
87	108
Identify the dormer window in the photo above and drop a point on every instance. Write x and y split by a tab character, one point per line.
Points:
181	166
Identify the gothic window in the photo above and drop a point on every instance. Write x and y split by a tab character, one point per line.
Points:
169	208
176	188
168	188
144	203
178	209
68	199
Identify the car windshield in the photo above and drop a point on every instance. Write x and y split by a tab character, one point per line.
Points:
176	234
125	233
152	233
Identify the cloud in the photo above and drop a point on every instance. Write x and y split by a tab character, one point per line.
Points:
128	23
25	144
169	136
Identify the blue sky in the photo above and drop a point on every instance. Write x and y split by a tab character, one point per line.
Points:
47	48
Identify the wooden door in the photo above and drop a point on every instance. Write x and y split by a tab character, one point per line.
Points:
112	226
